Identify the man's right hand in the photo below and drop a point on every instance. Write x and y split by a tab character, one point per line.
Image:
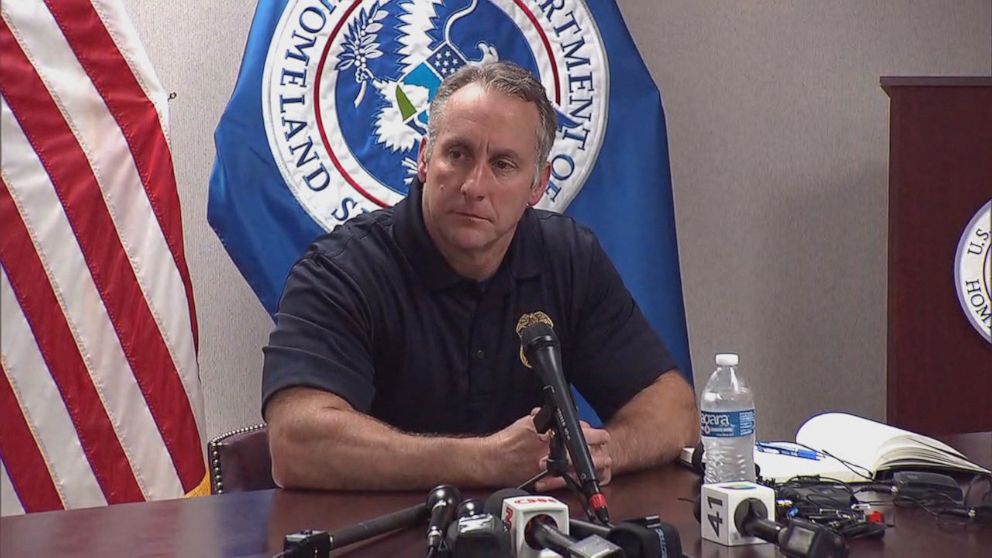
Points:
517	452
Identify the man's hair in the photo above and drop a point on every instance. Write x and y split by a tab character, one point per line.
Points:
510	80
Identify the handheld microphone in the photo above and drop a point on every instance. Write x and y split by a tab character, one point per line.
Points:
539	350
539	522
441	503
743	513
796	539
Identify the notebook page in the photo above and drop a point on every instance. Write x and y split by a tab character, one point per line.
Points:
851	438
781	468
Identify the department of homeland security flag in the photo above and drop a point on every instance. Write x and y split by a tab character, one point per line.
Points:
332	100
99	389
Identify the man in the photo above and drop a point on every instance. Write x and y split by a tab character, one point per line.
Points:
394	362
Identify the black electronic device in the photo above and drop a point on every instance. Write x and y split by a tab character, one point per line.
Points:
925	487
818	493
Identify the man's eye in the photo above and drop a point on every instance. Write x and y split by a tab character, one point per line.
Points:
504	165
455	154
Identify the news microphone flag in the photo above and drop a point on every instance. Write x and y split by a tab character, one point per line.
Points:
331	102
99	388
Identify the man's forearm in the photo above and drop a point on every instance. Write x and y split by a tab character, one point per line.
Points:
340	449
317	440
654	426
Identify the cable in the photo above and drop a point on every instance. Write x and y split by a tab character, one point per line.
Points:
853	467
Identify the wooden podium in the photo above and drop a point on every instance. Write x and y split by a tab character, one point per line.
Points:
940	176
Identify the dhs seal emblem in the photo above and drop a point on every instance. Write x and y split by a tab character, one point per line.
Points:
973	271
347	86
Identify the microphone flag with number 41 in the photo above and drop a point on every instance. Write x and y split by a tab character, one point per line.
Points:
331	104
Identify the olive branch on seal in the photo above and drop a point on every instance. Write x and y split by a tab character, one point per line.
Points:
361	45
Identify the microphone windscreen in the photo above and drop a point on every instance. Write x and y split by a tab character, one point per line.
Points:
470	507
535	331
494	503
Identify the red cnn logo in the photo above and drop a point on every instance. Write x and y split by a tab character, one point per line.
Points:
534	500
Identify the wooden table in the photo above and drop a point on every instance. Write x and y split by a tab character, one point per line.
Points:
253	523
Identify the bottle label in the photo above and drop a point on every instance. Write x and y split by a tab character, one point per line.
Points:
727	425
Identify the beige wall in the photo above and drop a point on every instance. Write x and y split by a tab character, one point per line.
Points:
778	134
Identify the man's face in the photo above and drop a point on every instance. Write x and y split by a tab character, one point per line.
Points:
480	176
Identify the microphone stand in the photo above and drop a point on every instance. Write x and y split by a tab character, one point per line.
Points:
557	465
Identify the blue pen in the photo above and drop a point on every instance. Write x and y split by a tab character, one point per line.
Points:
788	449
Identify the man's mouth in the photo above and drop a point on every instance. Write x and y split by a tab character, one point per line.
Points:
471	216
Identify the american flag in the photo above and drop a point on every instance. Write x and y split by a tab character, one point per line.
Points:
99	388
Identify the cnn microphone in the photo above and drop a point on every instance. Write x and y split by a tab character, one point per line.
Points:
540	522
539	350
441	504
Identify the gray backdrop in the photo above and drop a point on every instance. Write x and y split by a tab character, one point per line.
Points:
778	133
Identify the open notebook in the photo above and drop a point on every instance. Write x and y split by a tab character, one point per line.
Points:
868	447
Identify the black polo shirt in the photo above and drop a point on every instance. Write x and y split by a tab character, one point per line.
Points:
374	314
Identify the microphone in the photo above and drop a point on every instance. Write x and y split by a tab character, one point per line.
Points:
541	522
646	537
539	350
470	507
797	539
477	534
737	513
318	543
441	503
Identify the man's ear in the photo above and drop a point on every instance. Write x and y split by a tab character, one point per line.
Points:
537	192
422	161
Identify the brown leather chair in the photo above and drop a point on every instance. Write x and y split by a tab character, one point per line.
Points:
240	461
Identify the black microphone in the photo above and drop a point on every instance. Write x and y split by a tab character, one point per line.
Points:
319	543
796	539
441	504
646	537
470	507
477	534
539	350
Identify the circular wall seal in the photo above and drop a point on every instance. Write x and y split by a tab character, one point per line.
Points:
973	271
347	86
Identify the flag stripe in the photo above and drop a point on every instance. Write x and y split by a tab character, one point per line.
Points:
58	248
66	164
10	503
43	408
21	456
110	157
137	117
43	313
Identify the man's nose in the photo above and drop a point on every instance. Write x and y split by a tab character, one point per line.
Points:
476	183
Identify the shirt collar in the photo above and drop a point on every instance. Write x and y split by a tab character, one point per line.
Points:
523	258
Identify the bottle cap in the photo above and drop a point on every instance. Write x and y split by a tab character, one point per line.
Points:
727	359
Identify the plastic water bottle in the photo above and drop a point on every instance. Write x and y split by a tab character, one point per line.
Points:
727	423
